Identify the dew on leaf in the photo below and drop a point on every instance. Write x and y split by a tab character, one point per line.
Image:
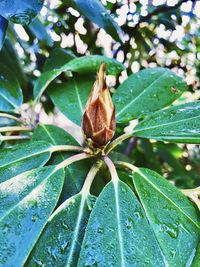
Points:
38	262
100	230
65	226
170	229
64	246
173	252
130	223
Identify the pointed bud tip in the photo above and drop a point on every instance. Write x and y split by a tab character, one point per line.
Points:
102	67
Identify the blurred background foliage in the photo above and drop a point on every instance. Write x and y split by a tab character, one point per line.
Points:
154	33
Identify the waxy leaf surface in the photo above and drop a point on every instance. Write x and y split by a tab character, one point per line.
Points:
27	201
118	233
173	217
145	92
85	64
180	124
62	237
22	157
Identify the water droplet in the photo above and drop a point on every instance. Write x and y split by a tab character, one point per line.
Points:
90	203
6	228
65	226
130	223
173	252
100	230
64	246
21	18
38	262
35	217
86	245
52	253
170	229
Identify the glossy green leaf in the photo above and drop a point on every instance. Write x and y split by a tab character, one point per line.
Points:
40	31
57	58
22	157
97	13
53	135
70	97
76	172
10	92
6	122
27	201
9	58
20	11
85	64
3	28
61	239
196	261
173	217
147	91
118	233
179	124
75	176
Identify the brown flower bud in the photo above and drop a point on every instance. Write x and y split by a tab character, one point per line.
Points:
98	122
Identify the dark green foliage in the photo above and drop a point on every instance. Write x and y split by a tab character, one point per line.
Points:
56	210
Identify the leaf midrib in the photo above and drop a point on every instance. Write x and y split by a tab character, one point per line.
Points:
54	143
18	203
143	92
7	99
78	96
116	188
162	193
25	157
165	124
76	230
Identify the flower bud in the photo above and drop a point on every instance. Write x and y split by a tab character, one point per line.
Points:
98	122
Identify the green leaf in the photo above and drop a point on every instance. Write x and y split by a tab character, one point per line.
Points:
118	233
53	135
70	97
57	58
3	28
180	124
97	13
6	122
85	64
63	233
22	157
75	176
76	172
10	93
196	261
173	217
19	11
9	58
27	201
40	31
147	91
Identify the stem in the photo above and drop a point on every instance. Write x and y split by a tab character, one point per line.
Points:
14	129
112	169
72	159
126	165
90	177
14	137
117	141
5	115
65	148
